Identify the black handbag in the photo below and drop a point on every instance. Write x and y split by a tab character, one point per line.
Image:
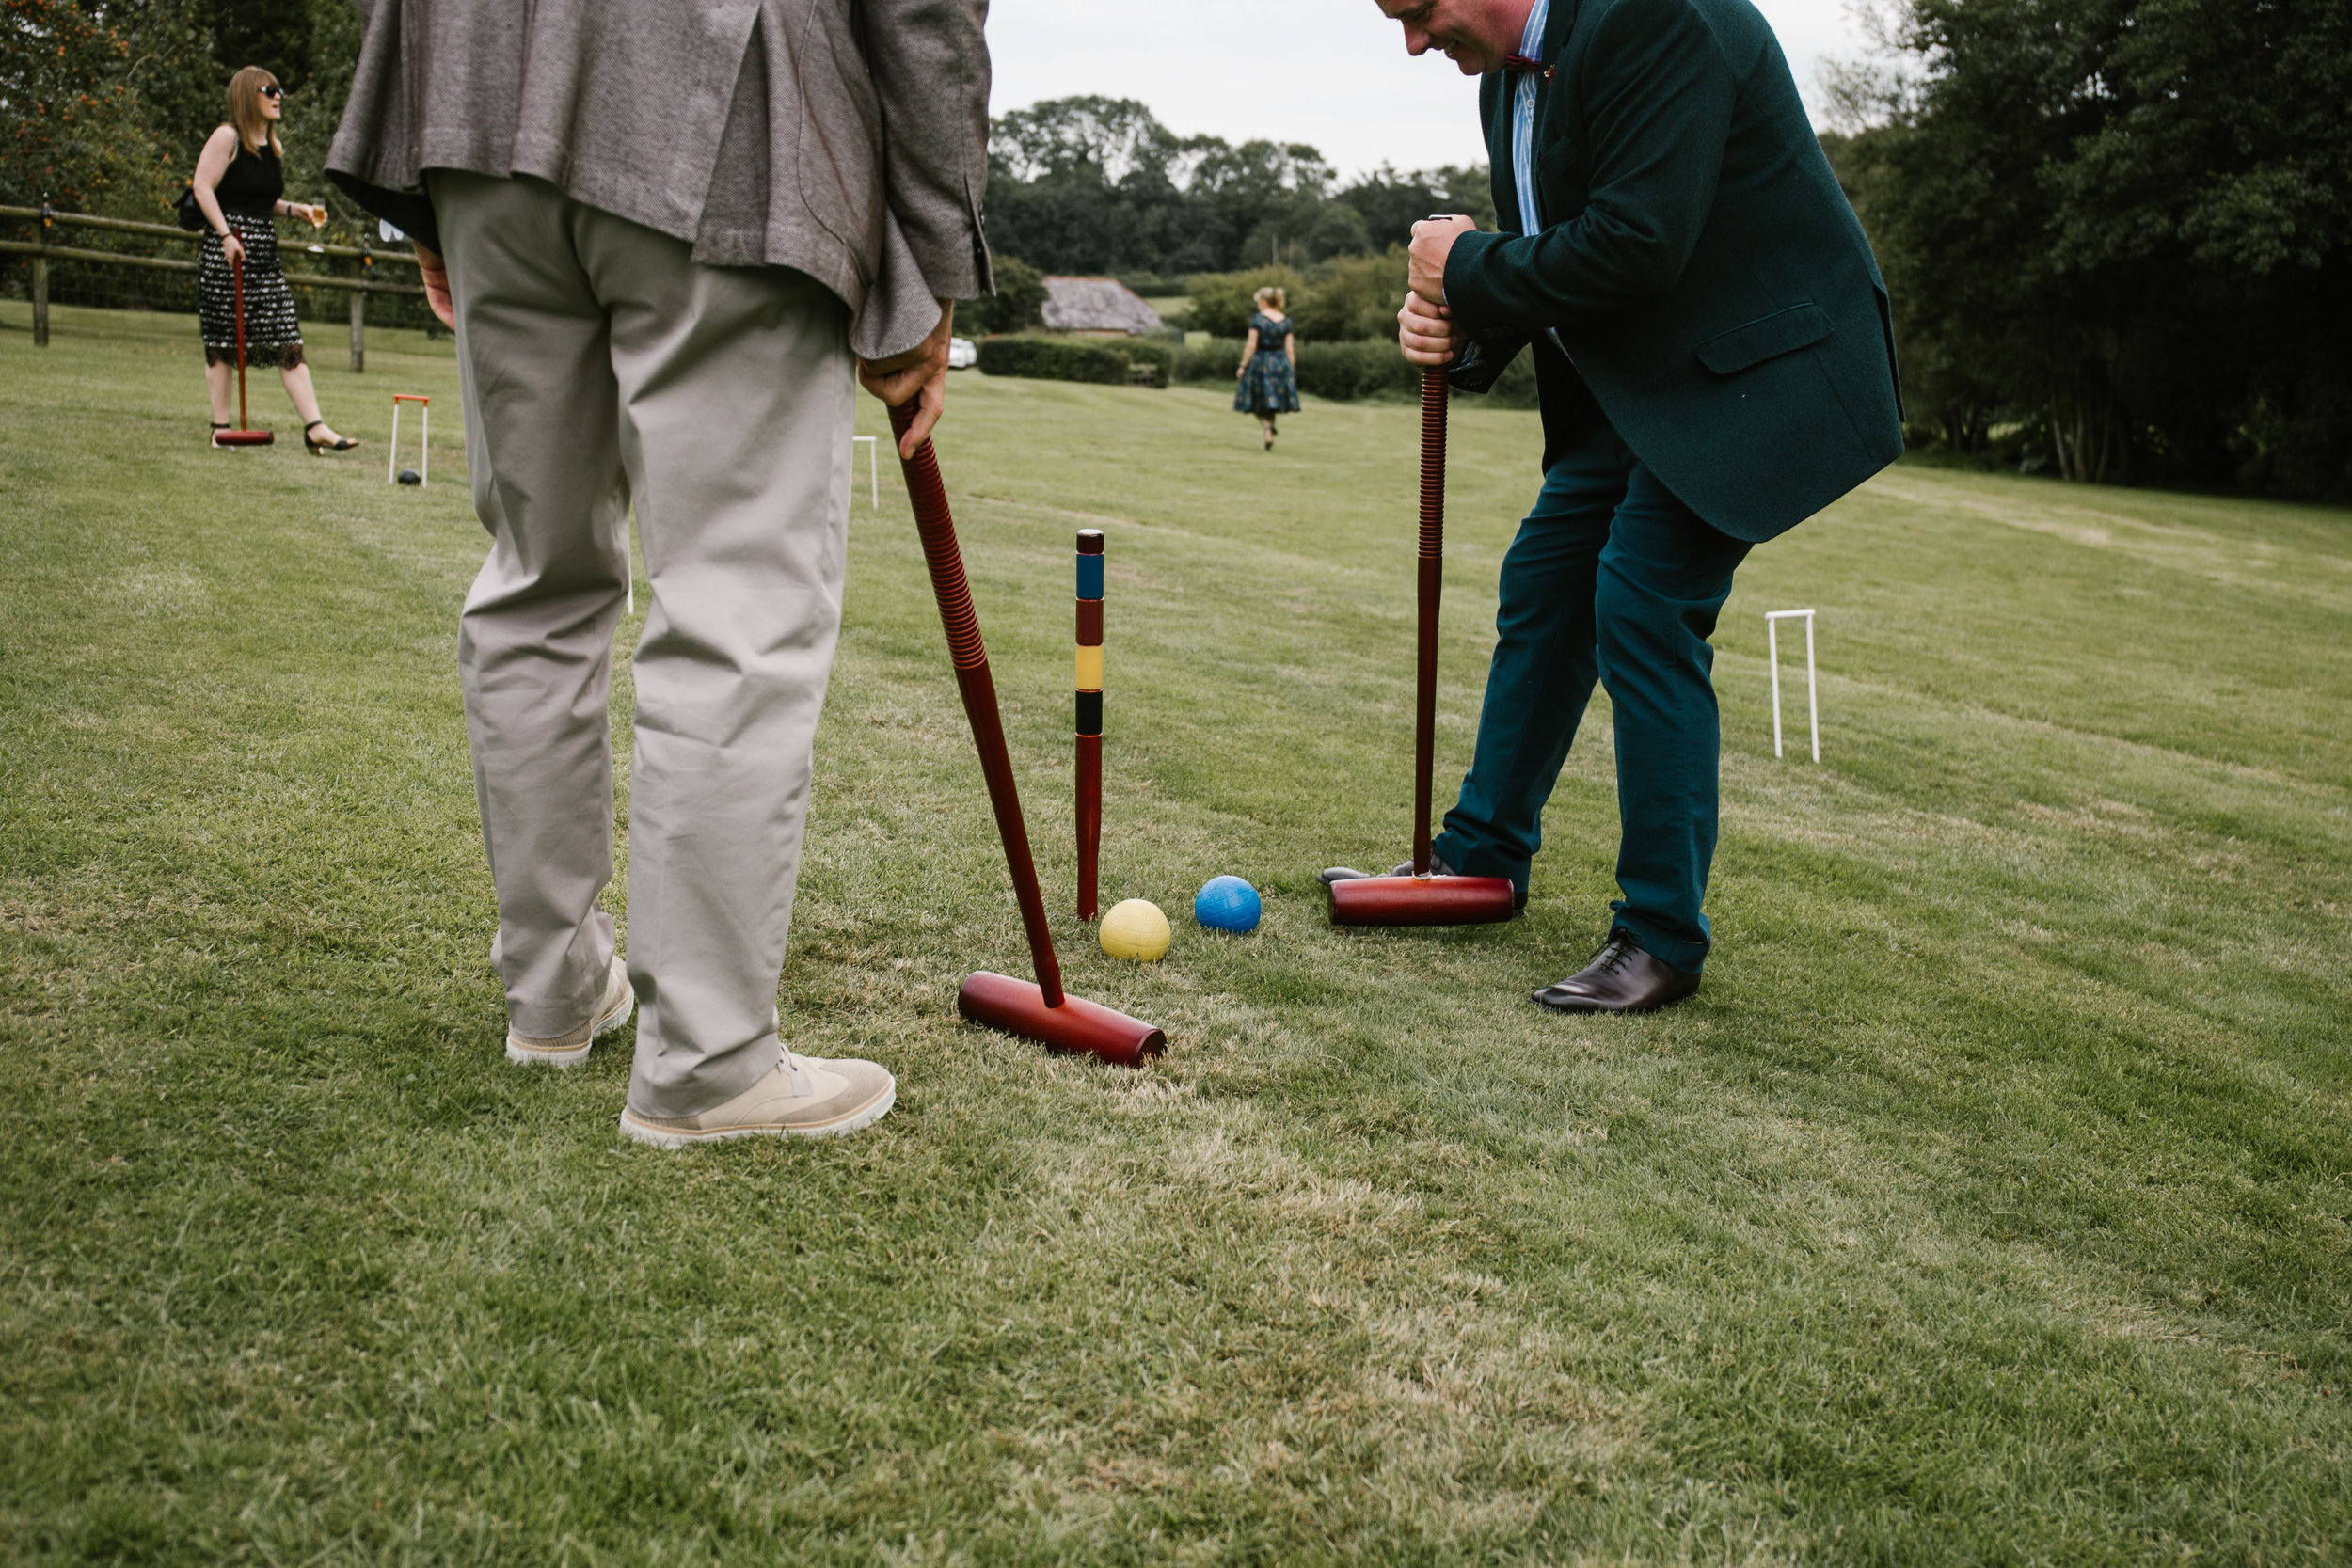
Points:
191	215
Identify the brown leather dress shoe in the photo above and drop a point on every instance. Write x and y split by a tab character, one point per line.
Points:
1622	979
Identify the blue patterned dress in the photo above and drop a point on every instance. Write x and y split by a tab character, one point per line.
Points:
1267	386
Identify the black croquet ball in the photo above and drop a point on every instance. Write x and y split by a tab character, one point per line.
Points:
410	476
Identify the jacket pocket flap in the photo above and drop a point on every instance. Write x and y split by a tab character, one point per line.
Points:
1781	332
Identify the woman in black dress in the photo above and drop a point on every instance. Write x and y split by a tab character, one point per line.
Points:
240	186
1269	365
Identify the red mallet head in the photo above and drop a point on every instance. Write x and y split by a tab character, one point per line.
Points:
1421	902
243	438
1425	900
1018	1008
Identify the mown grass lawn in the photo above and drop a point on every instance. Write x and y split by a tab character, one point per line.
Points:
1987	1205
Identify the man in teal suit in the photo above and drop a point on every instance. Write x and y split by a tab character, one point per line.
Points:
1716	363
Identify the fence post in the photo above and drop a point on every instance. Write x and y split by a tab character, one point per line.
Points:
359	311
41	281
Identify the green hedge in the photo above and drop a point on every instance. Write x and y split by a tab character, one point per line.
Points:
1150	363
1107	362
1053	360
1209	360
1346	372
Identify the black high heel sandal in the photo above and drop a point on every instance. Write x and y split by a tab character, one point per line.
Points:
320	449
218	425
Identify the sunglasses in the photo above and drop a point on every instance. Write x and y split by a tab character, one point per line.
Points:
272	91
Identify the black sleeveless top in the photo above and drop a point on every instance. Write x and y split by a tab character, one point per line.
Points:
253	183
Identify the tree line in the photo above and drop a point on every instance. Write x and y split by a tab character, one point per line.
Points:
105	103
2118	232
1100	185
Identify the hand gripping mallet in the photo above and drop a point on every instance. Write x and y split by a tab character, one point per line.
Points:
241	436
1422	899
1040	1012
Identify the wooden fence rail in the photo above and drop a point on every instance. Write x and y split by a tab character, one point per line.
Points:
45	251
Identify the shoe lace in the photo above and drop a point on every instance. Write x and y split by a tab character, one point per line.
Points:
794	1071
1614	955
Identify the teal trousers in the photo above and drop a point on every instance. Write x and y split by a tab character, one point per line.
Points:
1613	579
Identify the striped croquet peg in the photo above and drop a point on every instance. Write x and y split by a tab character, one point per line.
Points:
1090	716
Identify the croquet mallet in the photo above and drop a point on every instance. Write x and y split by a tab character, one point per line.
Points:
241	436
1042	1012
1422	899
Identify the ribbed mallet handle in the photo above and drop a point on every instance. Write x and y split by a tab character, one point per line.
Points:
937	526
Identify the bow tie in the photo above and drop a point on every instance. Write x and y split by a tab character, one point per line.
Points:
1517	64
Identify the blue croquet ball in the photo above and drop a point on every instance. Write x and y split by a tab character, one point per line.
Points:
1227	904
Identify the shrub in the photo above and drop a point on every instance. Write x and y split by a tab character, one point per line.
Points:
1209	361
1220	301
1014	307
1352	299
1345	300
1344	372
1150	361
1347	371
1041	358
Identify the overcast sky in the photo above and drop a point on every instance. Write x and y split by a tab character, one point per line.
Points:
1330	72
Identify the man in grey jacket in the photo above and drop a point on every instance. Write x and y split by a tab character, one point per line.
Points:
667	232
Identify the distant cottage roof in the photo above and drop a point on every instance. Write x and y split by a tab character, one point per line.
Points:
1097	305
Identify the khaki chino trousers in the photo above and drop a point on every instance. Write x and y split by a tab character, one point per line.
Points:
602	370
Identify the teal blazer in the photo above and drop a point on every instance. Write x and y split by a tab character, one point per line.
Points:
1709	280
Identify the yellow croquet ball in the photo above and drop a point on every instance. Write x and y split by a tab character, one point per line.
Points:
1136	929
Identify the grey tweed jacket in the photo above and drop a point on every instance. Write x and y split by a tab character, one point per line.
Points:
846	138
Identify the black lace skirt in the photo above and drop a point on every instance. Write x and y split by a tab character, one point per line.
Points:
272	337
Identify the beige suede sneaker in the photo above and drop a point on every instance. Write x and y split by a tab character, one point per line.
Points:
571	1050
804	1097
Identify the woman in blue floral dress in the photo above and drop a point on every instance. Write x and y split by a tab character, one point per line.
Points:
1269	365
